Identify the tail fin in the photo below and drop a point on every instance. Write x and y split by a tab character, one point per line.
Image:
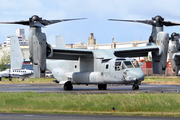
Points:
16	54
60	41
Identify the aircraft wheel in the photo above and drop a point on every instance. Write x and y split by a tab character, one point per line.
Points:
135	87
10	79
102	86
68	86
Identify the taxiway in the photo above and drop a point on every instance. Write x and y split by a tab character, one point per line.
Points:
56	88
20	116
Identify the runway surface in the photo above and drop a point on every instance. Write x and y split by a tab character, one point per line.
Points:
48	88
19	116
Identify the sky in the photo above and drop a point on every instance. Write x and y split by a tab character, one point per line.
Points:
97	13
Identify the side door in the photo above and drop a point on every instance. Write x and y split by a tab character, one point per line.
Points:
106	71
118	71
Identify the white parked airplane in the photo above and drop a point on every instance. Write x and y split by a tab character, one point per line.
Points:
16	62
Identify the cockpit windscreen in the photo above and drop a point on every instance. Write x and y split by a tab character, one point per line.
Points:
128	64
135	63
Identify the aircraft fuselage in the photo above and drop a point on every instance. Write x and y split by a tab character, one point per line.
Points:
112	71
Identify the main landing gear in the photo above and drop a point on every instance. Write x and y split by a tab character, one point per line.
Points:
68	86
102	86
135	87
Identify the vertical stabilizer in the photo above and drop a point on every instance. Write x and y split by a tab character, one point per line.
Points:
60	41
16	54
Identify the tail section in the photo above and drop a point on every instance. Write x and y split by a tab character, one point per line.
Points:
16	54
60	41
160	57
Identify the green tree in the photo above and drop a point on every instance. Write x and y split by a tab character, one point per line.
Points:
148	58
4	58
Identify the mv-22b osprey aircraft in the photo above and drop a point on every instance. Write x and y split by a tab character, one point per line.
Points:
102	67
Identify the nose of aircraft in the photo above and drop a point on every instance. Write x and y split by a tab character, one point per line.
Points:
136	73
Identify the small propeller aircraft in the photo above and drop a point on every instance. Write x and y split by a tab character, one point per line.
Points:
98	66
16	62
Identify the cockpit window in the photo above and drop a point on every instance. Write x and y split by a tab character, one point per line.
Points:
107	66
128	64
117	66
123	66
135	63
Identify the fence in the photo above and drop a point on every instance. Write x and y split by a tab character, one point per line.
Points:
149	72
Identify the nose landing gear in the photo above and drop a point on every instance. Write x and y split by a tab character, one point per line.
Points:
135	87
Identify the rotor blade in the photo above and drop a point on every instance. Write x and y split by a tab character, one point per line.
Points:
18	22
169	23
149	22
49	22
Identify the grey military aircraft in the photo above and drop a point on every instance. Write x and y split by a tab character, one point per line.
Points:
99	66
38	47
111	70
174	47
174	52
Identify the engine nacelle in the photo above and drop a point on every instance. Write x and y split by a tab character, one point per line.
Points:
174	48
160	57
49	50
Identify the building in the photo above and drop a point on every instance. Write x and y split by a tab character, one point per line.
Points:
91	39
23	41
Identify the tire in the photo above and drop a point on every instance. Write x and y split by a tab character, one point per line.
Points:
99	87
135	87
65	87
102	86
68	86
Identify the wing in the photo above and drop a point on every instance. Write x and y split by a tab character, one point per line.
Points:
74	54
70	54
136	51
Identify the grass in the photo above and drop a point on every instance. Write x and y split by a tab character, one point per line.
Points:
162	80
166	104
28	81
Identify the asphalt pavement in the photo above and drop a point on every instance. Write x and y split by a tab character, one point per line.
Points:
19	116
56	88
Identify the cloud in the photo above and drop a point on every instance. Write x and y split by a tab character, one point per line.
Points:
97	12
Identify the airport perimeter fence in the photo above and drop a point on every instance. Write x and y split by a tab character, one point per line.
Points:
149	72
